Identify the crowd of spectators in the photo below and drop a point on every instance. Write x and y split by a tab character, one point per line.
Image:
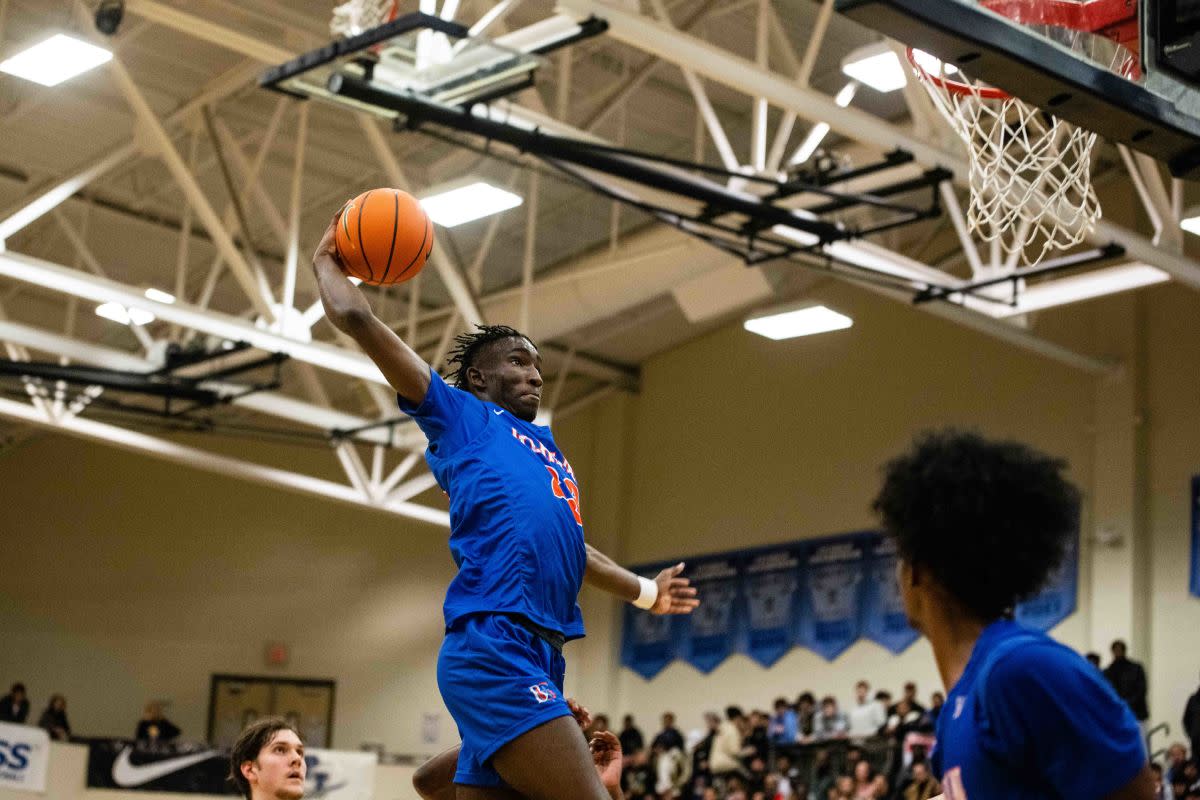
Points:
876	749
152	729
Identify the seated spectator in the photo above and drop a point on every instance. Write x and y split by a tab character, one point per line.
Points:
154	728
726	756
903	719
631	737
755	742
669	738
54	719
868	785
785	726
806	709
637	776
910	694
829	723
842	789
1162	790
922	785
1093	658
936	701
14	706
701	755
867	715
1177	753
672	771
599	725
735	789
884	698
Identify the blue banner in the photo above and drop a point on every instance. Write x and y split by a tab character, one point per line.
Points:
1195	577
833	575
1056	600
648	642
711	632
883	620
771	587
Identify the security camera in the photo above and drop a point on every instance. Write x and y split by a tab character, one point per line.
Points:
109	16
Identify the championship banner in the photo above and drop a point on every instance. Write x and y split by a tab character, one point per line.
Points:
1056	600
124	765
883	620
833	576
24	754
1195	577
711	632
648	642
771	587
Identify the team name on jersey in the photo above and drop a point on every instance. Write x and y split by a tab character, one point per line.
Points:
543	451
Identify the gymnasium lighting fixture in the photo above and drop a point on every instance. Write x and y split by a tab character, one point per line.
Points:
1191	223
817	134
463	204
791	322
1085	286
876	65
122	315
54	60
159	295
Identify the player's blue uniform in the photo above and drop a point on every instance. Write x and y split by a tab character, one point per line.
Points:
1031	719
517	538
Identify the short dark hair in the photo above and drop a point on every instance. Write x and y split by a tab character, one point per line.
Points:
989	520
249	744
733	712
806	697
469	346
18	687
1119	643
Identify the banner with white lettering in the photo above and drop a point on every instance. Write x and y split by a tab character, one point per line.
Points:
833	575
1195	577
771	587
24	754
648	642
711	632
1056	600
883	619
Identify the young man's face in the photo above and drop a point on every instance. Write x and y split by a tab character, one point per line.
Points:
510	375
278	772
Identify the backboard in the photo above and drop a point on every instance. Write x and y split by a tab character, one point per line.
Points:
1153	107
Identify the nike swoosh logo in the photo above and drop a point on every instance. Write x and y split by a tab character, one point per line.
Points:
127	774
497	411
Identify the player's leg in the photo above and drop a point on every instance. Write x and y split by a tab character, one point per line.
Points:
434	780
551	762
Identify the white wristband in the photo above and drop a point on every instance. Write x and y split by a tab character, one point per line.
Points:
648	594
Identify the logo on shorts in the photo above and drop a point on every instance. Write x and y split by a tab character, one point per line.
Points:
542	692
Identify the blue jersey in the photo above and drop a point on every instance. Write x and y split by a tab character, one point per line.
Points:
515	530
1030	719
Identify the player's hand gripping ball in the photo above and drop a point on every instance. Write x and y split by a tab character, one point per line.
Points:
383	236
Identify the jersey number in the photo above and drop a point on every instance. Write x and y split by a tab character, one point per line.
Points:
556	486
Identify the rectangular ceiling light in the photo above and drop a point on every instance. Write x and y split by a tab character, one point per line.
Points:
876	65
467	203
159	295
1191	225
1086	286
54	60
795	322
124	316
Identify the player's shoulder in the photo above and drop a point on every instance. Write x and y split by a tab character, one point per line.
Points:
1033	658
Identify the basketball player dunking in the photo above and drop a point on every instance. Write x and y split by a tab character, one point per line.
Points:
517	539
979	526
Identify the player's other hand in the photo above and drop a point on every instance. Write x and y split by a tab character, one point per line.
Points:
606	754
582	716
676	595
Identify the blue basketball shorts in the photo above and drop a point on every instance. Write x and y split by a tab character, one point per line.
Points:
498	681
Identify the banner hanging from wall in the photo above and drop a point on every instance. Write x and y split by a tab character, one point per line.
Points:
121	764
1195	576
24	755
821	594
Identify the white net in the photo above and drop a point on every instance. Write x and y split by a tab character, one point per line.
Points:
355	16
1030	172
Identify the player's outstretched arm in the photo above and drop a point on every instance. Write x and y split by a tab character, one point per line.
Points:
347	309
670	594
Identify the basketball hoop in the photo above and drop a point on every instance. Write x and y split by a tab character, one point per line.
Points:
355	16
1030	172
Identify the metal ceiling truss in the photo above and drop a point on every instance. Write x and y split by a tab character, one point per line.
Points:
381	485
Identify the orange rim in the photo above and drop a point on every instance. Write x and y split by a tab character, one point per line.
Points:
953	86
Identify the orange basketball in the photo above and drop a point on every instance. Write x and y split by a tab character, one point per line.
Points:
383	236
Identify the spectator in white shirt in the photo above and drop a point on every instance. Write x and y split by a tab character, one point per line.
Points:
867	715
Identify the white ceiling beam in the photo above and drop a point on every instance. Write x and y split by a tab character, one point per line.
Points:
208	31
133	441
